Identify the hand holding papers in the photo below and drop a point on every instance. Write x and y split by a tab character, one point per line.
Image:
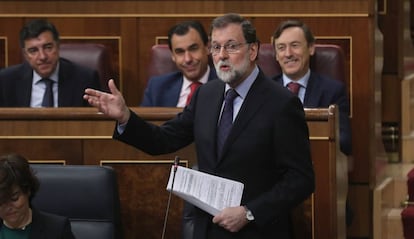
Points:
208	192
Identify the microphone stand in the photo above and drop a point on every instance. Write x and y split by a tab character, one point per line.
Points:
176	162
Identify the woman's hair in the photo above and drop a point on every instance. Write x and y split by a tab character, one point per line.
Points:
15	171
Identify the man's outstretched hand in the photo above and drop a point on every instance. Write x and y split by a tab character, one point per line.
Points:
111	104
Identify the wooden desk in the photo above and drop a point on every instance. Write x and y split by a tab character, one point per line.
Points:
83	136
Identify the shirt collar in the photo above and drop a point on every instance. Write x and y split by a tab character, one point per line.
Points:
202	80
243	88
302	81
54	77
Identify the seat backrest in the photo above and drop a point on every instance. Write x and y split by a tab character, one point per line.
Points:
87	195
160	62
328	60
91	55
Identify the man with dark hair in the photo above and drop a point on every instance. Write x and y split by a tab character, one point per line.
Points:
245	127
44	79
294	45
188	42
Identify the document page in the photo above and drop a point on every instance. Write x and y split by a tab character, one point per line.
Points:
206	191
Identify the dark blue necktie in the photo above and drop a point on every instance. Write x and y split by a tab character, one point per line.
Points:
226	121
48	96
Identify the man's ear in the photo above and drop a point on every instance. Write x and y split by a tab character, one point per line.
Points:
254	50
311	49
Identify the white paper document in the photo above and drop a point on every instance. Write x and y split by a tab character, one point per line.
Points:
206	191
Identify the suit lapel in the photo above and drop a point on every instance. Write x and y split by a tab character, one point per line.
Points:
213	114
313	92
66	85
209	99
37	225
173	94
252	103
26	87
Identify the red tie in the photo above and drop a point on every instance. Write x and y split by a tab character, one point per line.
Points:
193	88
294	87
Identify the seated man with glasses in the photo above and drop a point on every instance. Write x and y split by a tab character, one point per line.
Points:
229	47
44	79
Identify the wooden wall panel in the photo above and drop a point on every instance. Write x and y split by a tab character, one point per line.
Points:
186	7
144	215
65	151
3	52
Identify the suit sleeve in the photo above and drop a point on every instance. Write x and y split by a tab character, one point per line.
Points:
147	100
295	175
152	139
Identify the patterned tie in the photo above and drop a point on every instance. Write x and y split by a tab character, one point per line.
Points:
193	88
294	87
226	121
48	96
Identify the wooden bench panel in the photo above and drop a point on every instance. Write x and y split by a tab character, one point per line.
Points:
82	136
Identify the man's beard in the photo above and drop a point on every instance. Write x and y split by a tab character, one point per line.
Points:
234	74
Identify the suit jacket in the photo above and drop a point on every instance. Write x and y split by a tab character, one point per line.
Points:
322	92
267	150
164	91
49	226
16	84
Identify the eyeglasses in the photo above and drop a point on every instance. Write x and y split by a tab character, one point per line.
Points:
230	47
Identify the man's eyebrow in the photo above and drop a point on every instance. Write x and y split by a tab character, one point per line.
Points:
193	46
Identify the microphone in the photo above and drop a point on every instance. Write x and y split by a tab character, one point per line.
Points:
176	163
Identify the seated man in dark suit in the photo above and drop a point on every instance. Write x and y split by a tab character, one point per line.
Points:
44	79
188	42
294	44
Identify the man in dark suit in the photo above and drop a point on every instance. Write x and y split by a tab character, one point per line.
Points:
25	85
294	45
188	42
267	148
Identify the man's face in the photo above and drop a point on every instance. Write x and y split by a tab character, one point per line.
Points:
233	57
42	53
190	54
293	52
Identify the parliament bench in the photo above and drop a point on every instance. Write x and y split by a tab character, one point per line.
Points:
81	136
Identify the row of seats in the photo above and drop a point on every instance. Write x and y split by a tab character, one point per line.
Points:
328	60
